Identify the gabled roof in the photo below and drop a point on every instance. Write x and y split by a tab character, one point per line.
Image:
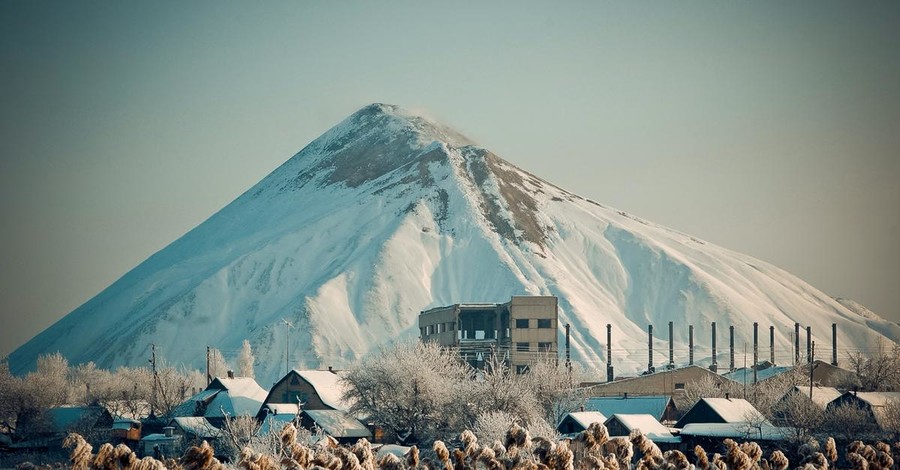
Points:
654	405
647	424
64	417
721	410
225	396
328	385
197	426
821	396
745	374
338	423
877	398
732	410
742	431
585	418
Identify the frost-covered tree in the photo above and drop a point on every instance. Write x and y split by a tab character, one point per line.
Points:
245	361
797	412
411	389
218	367
879	371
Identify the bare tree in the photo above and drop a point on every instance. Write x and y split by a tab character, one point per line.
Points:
849	422
797	412
879	371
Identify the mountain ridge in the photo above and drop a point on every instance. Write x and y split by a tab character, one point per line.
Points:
389	213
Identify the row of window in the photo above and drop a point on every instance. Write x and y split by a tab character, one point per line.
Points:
541	347
541	323
520	323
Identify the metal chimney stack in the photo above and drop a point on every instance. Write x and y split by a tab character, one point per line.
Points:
809	357
690	345
796	343
568	351
650	368
755	348
834	344
731	348
714	367
671	346
772	344
609	366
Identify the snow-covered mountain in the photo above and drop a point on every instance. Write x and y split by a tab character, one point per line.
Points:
389	213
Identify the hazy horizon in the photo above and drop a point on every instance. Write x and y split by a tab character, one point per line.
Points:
769	129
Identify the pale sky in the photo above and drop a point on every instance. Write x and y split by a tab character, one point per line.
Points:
770	128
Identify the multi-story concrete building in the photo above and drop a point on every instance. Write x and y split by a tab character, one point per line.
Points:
519	330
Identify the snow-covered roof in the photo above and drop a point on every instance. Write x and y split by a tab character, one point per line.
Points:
648	425
274	423
732	410
395	449
877	398
196	425
745	374
654	405
338	423
281	409
746	431
585	418
821	396
241	387
328	385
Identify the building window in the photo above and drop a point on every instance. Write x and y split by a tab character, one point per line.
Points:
522	346
521	323
544	347
521	370
679	386
543	323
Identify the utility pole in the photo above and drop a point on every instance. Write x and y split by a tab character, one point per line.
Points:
811	365
287	343
153	371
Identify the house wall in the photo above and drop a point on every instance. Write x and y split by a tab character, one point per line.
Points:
670	382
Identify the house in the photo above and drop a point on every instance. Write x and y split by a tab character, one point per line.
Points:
878	405
710	435
124	429
670	382
821	396
336	423
65	419
661	407
224	397
624	424
312	389
579	421
721	410
520	331
160	445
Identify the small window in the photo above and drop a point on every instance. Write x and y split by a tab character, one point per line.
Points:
544	347
679	386
522	346
543	323
521	370
521	323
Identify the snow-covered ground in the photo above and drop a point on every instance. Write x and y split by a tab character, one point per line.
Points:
388	214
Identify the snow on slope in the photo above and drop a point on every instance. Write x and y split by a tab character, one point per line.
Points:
387	214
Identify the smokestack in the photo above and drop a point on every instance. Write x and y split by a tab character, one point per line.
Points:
731	348
690	345
650	369
796	343
834	344
714	367
609	366
808	345
755	348
568	351
772	344
671	347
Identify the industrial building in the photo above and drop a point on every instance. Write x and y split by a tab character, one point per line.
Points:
520	331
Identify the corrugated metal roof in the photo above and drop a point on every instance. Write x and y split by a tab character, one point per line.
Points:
198	426
338	423
654	405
